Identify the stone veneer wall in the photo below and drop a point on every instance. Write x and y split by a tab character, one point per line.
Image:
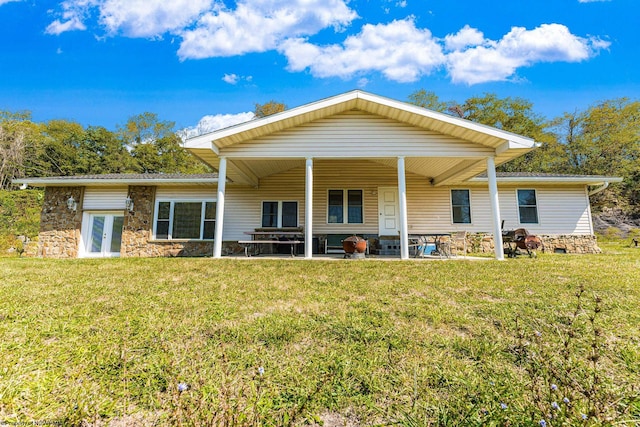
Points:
571	244
59	235
137	231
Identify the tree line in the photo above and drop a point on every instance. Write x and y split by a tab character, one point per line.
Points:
144	144
604	139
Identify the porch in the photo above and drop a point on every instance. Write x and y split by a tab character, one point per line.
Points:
414	149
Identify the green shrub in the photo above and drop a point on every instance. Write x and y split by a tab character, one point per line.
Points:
19	216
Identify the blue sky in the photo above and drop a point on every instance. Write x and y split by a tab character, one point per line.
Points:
99	62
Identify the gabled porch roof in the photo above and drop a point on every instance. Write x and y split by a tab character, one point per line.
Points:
442	148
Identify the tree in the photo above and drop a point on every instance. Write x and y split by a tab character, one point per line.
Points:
103	152
155	146
605	140
428	99
269	108
18	143
59	153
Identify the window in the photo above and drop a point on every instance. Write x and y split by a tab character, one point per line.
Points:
345	204
279	214
527	206
195	220
461	206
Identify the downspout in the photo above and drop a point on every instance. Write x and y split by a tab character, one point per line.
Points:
598	189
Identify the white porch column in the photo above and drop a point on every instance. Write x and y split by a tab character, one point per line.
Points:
495	208
222	181
402	194
308	209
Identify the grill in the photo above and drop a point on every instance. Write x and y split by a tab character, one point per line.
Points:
518	241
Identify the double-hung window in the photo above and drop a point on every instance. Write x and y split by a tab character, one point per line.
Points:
177	219
527	206
279	214
461	206
345	207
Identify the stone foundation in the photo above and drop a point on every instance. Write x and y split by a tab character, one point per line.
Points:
571	244
59	235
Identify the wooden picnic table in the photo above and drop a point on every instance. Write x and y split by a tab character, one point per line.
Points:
271	237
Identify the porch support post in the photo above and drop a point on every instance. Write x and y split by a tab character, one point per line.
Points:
402	194
222	181
308	209
495	208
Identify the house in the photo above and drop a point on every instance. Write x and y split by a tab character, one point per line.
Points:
356	163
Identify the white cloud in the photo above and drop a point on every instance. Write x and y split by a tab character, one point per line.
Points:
260	25
496	61
207	27
398	50
214	122
150	18
466	37
133	18
233	79
58	27
593	1
7	1
72	17
404	53
230	78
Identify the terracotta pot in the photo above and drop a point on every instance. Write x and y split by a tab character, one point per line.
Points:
354	244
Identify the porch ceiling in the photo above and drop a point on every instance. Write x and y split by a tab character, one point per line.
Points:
439	170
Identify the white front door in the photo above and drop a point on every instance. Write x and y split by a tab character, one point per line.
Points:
103	236
388	211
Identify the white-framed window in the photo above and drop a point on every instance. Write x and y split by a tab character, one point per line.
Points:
461	206
279	214
184	219
527	206
345	206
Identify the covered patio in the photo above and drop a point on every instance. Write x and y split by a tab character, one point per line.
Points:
416	150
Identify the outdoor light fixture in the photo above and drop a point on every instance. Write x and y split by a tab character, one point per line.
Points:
128	204
72	205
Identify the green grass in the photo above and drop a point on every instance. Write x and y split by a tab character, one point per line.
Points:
368	342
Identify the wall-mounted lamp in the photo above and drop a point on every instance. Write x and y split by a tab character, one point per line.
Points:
72	205
128	204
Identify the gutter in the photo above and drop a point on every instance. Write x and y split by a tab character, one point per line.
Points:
598	189
43	182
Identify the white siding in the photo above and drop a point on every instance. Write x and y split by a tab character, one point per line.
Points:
97	198
244	205
348	134
187	193
561	210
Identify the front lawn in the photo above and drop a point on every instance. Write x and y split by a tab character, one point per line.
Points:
289	342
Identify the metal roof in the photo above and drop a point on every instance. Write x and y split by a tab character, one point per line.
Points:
121	179
550	178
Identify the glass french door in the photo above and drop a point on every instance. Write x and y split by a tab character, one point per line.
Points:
104	235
